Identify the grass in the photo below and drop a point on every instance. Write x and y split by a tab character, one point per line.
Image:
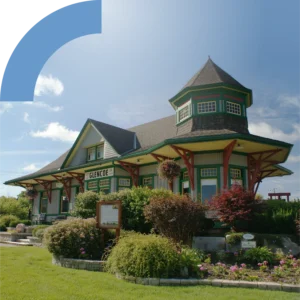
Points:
27	273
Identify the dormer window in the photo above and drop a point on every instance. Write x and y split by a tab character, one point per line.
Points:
184	112
100	151
91	154
95	152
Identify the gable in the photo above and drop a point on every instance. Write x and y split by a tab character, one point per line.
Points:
88	137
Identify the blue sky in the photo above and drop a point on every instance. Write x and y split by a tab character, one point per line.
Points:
147	52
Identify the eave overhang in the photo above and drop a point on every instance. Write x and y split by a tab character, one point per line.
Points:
246	144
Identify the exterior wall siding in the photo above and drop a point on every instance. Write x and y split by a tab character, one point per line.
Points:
109	152
208	158
239	160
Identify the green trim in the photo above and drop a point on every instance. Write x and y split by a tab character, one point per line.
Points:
199	177
123	177
205	88
96	158
40	202
145	176
75	143
98	187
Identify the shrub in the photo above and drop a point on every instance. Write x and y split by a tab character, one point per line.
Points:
37	228
74	238
9	220
258	255
2	227
276	216
234	205
234	238
176	217
144	256
85	205
133	202
40	233
26	222
190	259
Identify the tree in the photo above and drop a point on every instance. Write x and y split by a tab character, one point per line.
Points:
176	217
235	204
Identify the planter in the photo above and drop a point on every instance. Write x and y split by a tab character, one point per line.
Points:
82	264
29	229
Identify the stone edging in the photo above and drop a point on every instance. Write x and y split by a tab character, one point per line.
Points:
81	264
213	282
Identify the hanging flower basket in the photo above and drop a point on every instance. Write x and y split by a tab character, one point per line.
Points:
168	169
31	193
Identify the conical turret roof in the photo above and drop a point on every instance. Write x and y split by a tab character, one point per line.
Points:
210	73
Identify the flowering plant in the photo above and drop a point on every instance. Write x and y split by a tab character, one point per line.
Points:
31	193
203	271
168	169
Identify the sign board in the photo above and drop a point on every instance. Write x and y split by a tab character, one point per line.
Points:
109	214
99	174
248	236
211	214
248	244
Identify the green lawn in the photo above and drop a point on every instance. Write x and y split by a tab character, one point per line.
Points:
27	273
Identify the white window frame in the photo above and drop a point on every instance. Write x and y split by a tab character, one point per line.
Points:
101	146
124	182
207	105
209	172
92	149
180	108
233	108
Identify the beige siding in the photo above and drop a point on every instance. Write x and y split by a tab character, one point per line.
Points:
208	159
152	169
109	151
240	160
121	172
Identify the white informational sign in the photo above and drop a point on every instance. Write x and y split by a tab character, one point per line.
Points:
58	185
99	174
248	244
109	215
248	236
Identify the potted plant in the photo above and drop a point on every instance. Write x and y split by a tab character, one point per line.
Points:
31	193
168	169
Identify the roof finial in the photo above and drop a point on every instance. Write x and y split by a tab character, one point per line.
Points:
208	56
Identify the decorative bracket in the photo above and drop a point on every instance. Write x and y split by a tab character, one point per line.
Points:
256	170
188	159
133	170
159	158
67	183
226	157
47	185
80	178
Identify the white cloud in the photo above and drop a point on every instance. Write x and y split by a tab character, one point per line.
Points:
4	107
289	101
41	104
294	158
26	117
29	152
266	130
56	132
34	167
30	168
48	85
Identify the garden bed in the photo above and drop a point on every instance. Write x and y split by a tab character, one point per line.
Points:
81	264
212	282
